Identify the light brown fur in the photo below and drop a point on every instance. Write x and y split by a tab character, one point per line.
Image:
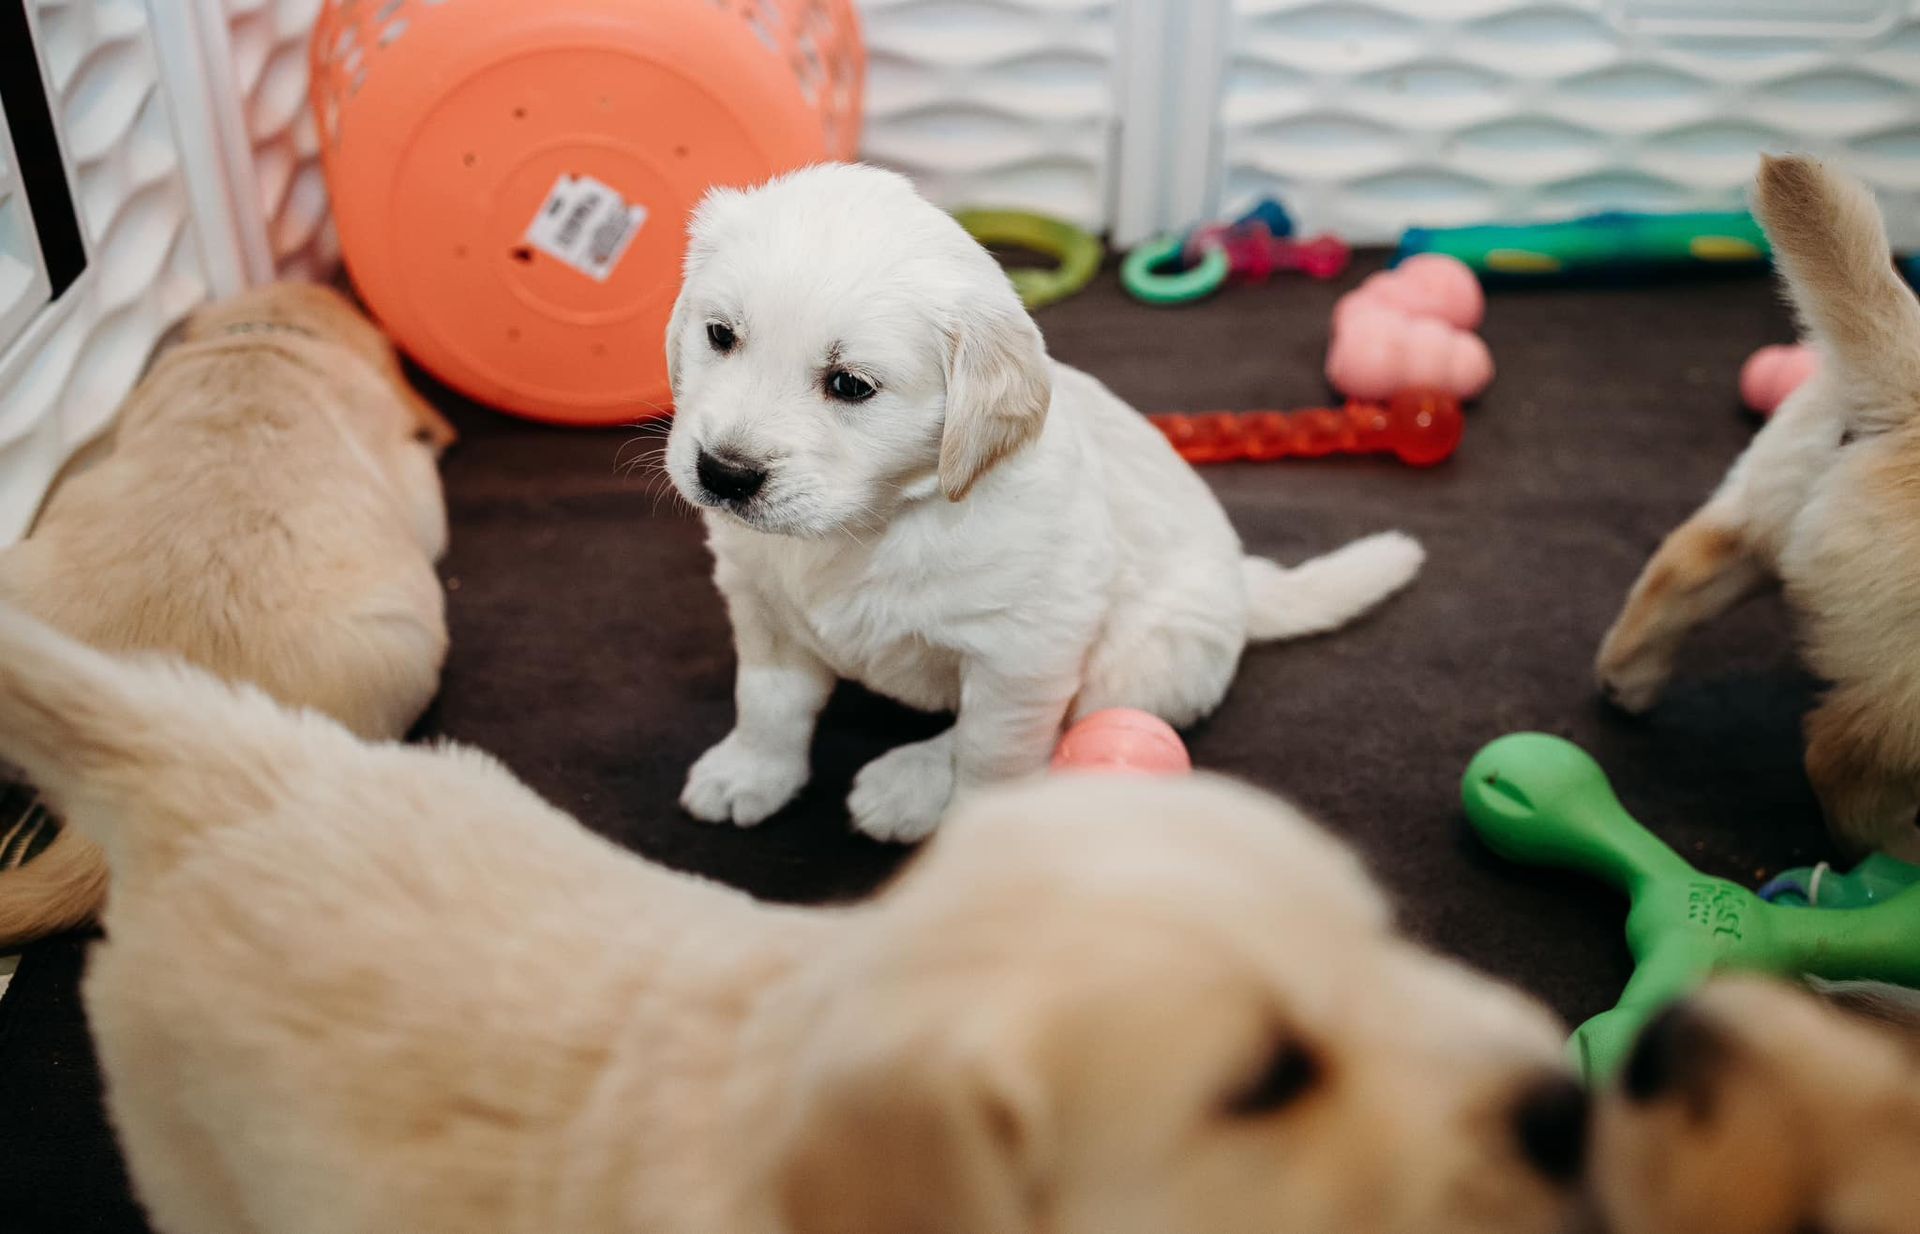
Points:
269	510
378	988
1779	1114
1827	501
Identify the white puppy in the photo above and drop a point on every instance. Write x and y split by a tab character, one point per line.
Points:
902	489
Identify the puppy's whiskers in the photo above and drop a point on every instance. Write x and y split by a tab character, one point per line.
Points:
644	431
651	460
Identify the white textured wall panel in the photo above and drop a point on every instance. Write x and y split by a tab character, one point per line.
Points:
63	379
269	53
996	102
1368	116
23	274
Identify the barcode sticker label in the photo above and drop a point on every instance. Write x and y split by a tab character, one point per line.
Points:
585	224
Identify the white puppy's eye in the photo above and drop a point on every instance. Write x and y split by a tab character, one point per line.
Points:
721	335
849	387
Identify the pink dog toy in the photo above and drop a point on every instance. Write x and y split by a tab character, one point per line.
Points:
1426	285
1378	351
1411	326
1122	741
1772	373
1255	254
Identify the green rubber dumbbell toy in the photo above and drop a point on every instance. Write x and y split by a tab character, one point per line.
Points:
1543	801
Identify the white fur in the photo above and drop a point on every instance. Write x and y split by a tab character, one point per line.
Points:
991	533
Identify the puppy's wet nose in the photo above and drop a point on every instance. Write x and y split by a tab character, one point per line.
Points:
1550	1123
1673	1055
727	478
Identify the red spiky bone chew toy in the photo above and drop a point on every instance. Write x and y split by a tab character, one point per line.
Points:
1420	427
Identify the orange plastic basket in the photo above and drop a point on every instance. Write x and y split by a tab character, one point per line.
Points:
511	178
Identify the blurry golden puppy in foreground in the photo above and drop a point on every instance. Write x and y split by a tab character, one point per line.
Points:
379	988
1756	1108
270	511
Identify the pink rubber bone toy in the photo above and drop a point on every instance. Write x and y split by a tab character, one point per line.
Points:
1255	254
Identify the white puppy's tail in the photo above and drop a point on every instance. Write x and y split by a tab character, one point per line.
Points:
1831	248
1329	591
137	754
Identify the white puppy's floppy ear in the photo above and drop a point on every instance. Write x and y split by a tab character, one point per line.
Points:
999	384
676	321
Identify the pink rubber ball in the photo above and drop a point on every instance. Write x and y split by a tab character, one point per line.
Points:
1122	741
1772	373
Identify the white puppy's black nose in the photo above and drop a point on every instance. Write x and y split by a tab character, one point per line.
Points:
1550	1123
727	478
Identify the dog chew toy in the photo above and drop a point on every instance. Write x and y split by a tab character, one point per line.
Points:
1613	245
1876	878
1419	427
1772	373
1377	350
1122	741
1148	276
1424	285
1175	269
1408	327
1544	801
1255	255
1077	254
511	181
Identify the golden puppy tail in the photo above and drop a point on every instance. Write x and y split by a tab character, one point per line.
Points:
1329	591
1830	247
137	754
60	887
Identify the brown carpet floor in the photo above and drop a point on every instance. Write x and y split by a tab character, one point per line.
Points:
590	652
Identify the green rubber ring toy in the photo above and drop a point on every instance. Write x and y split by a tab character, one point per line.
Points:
1543	801
1140	273
1078	253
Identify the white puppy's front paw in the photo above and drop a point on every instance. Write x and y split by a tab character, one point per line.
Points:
732	783
901	795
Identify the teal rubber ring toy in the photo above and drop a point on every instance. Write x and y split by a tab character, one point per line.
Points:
1140	273
1078	252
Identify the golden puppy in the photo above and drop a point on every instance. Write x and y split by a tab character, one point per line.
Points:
381	988
1827	500
270	511
1756	1108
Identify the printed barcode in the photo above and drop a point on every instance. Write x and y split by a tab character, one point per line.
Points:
586	225
607	237
577	218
